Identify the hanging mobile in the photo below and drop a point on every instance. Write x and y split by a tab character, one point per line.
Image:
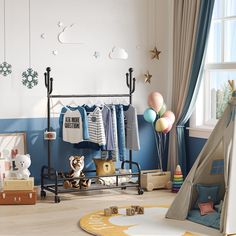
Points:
155	53
30	76
5	68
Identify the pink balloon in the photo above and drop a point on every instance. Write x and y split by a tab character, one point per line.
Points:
168	129
155	101
170	115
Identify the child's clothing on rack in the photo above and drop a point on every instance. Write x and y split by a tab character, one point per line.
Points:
131	128
107	123
120	131
74	128
114	154
96	127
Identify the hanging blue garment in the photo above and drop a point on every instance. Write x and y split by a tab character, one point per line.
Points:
121	131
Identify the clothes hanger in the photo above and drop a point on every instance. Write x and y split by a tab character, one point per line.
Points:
58	103
90	103
73	103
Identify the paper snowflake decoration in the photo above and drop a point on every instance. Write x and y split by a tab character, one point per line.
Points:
5	69
30	78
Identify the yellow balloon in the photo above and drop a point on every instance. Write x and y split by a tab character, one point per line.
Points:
161	124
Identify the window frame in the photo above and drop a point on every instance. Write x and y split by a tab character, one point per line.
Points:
201	123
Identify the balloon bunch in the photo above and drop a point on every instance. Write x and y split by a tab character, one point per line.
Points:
161	119
157	113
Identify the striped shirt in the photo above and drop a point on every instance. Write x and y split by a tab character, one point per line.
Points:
96	127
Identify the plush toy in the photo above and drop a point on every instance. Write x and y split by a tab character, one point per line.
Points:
77	165
22	163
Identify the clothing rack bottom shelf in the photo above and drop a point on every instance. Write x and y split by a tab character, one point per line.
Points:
52	181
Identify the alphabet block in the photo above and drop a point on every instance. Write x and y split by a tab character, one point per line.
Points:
114	209
107	212
136	207
130	211
140	210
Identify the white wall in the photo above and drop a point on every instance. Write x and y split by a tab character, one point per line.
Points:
135	25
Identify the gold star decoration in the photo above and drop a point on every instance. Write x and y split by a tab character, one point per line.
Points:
147	78
155	53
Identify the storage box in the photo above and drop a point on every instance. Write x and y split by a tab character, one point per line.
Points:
18	197
154	179
13	184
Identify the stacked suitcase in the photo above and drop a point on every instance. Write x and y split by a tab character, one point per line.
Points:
18	192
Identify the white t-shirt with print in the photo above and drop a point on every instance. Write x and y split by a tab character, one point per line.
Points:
72	131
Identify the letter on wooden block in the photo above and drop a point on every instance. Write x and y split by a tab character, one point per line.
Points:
135	207
114	209
107	212
130	211
140	210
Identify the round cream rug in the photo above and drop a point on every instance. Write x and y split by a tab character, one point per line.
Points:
152	223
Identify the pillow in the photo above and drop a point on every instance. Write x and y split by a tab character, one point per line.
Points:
206	208
104	167
207	193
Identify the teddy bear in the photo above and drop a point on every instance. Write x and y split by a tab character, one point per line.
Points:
22	163
77	165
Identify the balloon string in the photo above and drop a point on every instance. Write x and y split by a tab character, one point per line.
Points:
161	149
158	141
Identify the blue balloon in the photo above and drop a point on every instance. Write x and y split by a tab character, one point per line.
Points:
150	115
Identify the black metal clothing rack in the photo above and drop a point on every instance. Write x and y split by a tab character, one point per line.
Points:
49	174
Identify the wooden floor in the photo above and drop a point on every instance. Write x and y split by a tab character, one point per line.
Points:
49	218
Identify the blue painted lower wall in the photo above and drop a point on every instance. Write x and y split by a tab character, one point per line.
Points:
193	148
61	151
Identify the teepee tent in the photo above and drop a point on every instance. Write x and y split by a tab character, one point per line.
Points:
221	147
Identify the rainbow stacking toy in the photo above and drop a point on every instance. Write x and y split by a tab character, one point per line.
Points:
177	180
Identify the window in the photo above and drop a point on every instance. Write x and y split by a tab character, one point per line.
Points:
217	167
220	66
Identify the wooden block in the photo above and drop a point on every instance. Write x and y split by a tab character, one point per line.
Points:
20	197
13	184
107	212
130	211
114	209
140	210
136	207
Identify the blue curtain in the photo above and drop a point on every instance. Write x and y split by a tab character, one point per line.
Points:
204	22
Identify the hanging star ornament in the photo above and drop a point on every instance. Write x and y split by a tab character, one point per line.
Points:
155	53
147	77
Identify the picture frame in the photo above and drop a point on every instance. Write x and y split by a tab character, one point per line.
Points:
11	144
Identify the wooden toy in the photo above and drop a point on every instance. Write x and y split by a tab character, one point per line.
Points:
177	180
114	209
107	212
130	211
136	207
154	179
140	210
